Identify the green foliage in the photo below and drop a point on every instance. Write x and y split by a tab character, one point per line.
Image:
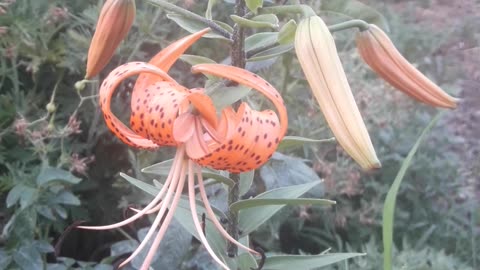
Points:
48	177
390	200
410	257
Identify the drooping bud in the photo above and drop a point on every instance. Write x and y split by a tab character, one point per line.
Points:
379	52
318	57
116	19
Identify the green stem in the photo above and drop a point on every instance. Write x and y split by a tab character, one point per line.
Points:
237	55
232	228
305	10
261	49
173	8
360	24
238	38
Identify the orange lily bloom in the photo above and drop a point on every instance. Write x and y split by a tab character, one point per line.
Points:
166	113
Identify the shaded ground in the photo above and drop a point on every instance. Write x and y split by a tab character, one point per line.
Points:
464	122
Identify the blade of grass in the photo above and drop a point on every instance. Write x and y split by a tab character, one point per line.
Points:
389	206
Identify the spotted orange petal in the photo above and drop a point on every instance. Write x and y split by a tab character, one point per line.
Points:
152	117
166	58
107	89
204	105
249	79
155	110
257	135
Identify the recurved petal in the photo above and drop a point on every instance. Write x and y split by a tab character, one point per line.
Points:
252	80
167	57
107	89
257	134
155	109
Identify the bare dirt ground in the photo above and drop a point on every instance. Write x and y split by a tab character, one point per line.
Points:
464	122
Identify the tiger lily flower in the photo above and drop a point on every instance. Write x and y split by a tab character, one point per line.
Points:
166	113
116	19
379	52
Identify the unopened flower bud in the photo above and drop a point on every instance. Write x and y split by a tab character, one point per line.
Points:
379	52
51	127
51	108
319	60
116	19
80	85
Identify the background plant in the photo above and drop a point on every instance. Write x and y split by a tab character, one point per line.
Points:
437	213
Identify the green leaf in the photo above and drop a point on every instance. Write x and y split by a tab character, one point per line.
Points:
250	219
46	211
246	261
14	195
49	174
193	26
270	18
43	246
354	9
141	185
260	21
253	5
284	171
21	225
23	194
295	141
223	96
250	203
270	53
66	197
60	211
153	190
5	259
286	35
260	40
390	200
246	180
28	197
163	169
28	257
196	59
183	214
305	262
208	12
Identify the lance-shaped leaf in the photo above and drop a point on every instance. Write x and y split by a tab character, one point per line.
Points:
251	218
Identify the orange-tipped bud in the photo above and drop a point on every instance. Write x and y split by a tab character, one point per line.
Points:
379	52
318	57
116	19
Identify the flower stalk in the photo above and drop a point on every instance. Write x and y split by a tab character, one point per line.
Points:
173	8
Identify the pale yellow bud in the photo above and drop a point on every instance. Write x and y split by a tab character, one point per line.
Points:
319	59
